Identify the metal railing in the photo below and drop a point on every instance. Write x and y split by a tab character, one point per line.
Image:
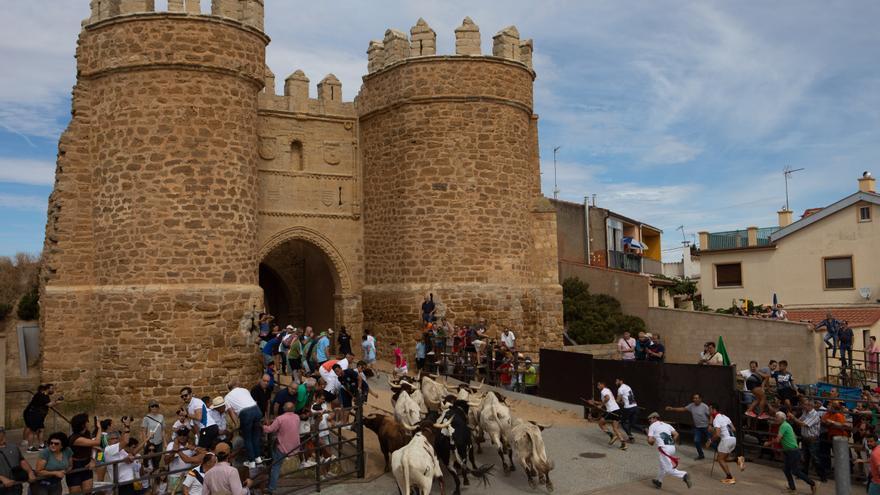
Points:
625	261
732	239
488	367
346	449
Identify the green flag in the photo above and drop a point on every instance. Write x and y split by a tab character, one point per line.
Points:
723	351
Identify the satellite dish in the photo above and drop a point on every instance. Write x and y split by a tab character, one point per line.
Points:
865	292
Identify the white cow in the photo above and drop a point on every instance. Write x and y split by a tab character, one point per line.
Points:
406	411
416	465
495	422
528	444
433	392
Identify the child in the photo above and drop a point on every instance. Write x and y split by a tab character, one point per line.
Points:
322	411
400	367
420	354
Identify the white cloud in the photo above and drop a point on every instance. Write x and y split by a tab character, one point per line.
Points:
670	151
24	202
27	171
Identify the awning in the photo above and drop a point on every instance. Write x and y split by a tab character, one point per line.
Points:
629	241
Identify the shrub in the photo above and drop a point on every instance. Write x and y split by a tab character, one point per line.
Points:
594	318
29	305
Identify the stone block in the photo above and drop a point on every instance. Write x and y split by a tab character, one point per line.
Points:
526	48
375	56
505	43
467	38
423	40
330	89
396	46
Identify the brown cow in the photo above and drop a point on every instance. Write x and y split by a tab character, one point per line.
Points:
392	435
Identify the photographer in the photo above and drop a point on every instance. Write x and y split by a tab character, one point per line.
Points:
35	416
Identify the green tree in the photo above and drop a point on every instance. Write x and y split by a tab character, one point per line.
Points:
594	318
29	305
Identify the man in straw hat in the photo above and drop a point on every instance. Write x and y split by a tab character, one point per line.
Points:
664	437
223	479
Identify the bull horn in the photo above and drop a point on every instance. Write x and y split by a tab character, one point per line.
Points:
543	426
453	389
441	426
480	385
410	428
393	382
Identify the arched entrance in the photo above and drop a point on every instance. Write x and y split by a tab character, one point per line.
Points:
300	285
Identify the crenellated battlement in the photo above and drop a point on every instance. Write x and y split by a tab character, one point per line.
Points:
248	12
296	96
395	46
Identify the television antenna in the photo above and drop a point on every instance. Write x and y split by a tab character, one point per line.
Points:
684	241
787	171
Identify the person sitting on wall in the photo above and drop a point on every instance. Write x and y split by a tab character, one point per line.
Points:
428	308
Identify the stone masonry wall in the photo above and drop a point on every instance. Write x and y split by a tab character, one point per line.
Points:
170	174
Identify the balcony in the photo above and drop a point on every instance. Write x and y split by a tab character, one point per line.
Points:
625	261
652	267
734	239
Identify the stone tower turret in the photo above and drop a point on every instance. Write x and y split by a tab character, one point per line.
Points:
452	201
151	237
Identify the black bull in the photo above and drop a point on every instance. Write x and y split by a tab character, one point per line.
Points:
454	449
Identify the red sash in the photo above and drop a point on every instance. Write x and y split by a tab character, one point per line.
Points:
671	458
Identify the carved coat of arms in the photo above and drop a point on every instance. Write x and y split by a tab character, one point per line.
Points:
328	197
267	147
332	152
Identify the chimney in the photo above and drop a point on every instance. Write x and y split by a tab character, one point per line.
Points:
784	218
867	183
752	236
704	240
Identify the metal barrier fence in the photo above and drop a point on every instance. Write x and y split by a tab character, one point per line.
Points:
489	367
347	460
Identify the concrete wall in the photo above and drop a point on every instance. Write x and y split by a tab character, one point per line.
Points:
684	332
632	290
598	351
795	269
570	231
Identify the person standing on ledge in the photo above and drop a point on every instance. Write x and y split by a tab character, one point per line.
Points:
664	437
428	309
626	347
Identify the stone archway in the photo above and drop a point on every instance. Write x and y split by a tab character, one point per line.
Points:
306	282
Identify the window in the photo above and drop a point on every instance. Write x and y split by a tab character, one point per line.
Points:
839	273
864	213
728	275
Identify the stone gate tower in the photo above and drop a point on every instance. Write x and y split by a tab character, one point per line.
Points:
150	252
188	193
452	196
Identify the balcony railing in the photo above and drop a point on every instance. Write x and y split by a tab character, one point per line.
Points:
653	267
625	261
733	239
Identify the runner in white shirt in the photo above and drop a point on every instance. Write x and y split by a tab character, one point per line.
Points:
630	411
725	433
612	414
664	437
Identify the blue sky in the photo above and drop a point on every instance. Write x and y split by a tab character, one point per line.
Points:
672	112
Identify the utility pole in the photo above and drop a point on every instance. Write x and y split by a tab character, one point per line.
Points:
555	185
787	171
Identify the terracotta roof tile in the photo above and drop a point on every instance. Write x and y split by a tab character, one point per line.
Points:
857	317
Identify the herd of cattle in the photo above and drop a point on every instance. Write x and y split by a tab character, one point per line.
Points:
436	425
